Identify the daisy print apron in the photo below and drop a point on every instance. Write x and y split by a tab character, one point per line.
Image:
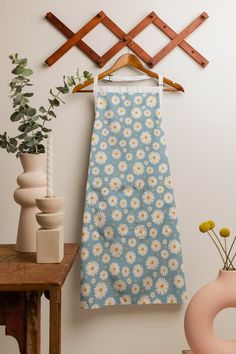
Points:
131	250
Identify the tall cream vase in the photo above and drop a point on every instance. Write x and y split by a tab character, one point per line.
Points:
32	184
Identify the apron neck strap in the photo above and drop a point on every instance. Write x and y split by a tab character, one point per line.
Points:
161	86
95	89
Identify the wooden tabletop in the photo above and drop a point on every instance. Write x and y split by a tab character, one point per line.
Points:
20	272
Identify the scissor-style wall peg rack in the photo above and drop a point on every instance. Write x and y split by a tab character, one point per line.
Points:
127	39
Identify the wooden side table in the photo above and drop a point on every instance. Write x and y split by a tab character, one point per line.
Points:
22	282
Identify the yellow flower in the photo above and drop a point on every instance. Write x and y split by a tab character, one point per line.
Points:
212	224
224	232
204	226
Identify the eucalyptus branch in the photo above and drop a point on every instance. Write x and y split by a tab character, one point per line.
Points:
32	121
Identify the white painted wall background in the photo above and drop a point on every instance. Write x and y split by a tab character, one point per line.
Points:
200	128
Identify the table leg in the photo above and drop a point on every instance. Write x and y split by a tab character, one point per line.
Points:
55	321
33	317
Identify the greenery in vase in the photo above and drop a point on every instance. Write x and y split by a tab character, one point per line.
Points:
222	247
32	122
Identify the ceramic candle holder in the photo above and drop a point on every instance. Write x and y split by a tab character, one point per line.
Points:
50	237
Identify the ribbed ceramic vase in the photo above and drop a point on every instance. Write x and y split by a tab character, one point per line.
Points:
202	310
32	184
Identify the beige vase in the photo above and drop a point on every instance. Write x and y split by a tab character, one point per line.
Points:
202	310
32	184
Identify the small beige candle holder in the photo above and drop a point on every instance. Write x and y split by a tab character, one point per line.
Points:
50	236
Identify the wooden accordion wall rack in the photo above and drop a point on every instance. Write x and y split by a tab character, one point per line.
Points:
127	39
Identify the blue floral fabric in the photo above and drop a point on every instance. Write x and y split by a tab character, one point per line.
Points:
131	250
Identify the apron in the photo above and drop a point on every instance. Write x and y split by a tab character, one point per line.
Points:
131	250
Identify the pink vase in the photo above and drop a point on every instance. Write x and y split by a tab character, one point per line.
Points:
32	183
202	310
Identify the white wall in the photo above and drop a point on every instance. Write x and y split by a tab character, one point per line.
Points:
200	128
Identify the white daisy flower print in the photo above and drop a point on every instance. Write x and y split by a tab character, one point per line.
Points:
100	219
130	219
116	215
168	182
135	203
138	100
109	232
85	289
101	103
116	154
149	123
109	169
137	126
151	101
148	198
114	269
121	111
85	234
164	270
123	203
140	232
103	275
166	230
101	157
95	235
132	242
147	113
128	120
95	171
146	138
152	263
130	257
171	299
122	166
158	217
92	198
110	301
127	132
136	113
119	285
164	254
133	143
86	217
115	100
158	113
125	300
98	125
127	103
109	113
152	181
84	253
139	184
142	249
155	146
142	215
97	249
160	189
125	271
154	157
116	249
100	290
179	281
184	296
115	127
92	268
156	245
138	270
163	168
112	140
128	191
94	139
112	200
123	229
159	203
172	213
153	232
144	300
97	182
115	184
138	168
174	246
135	289
140	154
173	264
106	258
162	286
147	283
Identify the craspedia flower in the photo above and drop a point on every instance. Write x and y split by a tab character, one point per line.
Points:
204	226
224	232
212	224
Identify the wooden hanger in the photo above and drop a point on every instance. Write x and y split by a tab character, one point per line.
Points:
133	61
